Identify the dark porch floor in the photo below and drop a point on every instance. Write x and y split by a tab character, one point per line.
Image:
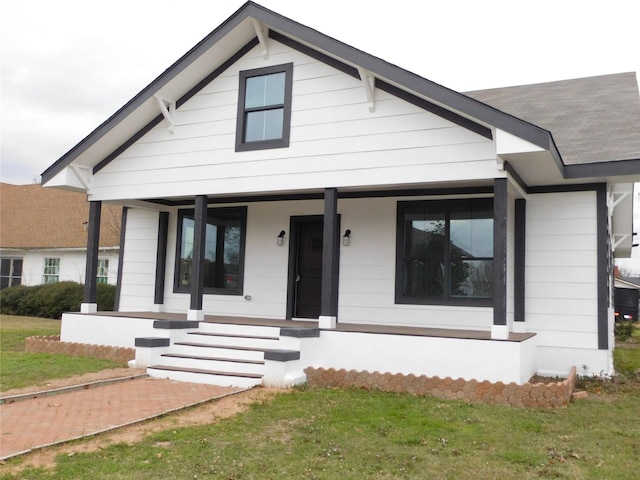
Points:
342	327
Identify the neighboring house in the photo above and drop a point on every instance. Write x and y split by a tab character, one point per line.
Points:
275	174
43	236
626	297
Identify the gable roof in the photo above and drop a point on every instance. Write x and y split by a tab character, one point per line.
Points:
594	119
238	34
33	217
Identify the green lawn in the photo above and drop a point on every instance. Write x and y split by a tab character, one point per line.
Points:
20	369
357	434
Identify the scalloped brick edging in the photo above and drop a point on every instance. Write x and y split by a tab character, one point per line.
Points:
52	344
554	394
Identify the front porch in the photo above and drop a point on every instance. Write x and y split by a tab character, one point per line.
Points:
250	351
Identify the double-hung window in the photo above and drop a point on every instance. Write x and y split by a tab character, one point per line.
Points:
223	266
103	270
445	252
51	273
11	272
264	108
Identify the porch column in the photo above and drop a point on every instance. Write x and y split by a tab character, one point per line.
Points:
519	240
197	261
161	260
330	252
89	299
500	329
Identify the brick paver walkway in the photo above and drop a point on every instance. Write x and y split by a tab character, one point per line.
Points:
33	423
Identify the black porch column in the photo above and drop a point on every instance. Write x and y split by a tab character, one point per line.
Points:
500	204
519	260
89	300
330	260
161	257
197	261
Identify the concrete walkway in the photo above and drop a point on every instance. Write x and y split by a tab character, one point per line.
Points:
30	423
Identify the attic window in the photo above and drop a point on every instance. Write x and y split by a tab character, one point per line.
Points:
264	108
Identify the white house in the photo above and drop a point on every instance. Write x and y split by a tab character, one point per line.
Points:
43	237
274	176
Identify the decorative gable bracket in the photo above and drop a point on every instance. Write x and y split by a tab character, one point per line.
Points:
368	82
83	174
168	110
618	238
261	33
614	199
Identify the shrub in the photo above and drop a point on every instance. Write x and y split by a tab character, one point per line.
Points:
623	330
52	300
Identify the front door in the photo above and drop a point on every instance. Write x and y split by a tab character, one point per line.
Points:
307	271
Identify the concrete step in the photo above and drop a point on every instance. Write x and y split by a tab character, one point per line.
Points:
233	340
209	377
236	329
206	362
224	351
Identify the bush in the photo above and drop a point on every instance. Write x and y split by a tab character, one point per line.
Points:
52	300
623	330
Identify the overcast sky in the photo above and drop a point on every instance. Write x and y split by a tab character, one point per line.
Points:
67	65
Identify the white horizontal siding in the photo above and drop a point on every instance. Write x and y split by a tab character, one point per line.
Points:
367	269
139	262
72	265
335	141
561	270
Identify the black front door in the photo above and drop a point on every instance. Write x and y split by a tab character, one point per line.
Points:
307	272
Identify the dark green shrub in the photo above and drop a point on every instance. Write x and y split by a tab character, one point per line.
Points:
105	297
623	330
52	300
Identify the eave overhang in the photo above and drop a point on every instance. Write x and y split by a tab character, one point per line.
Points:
237	35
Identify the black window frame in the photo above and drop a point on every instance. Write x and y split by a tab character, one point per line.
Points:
8	274
241	144
446	298
220	212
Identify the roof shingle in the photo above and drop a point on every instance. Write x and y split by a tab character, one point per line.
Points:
594	119
32	216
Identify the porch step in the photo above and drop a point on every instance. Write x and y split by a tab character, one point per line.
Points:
214	350
225	364
234	335
233	340
211	377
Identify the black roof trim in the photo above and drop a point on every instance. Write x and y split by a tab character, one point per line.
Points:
414	192
467	106
164	78
603	169
181	101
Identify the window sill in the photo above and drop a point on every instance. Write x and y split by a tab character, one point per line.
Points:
452	302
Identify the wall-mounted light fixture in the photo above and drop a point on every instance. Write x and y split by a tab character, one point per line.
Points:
346	238
280	238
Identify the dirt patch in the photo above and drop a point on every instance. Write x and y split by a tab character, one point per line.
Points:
76	380
207	413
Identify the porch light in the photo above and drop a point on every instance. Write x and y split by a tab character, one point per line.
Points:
346	238
280	238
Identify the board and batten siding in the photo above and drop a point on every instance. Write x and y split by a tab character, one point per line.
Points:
335	142
562	282
139	262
